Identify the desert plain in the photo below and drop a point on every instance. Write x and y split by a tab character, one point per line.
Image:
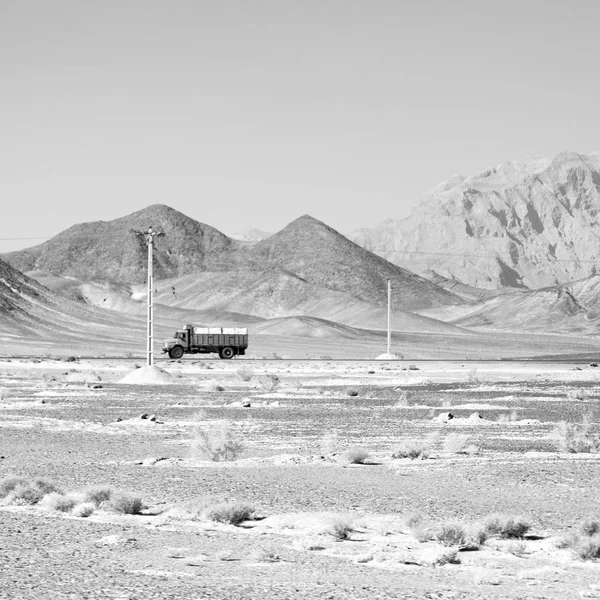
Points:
350	475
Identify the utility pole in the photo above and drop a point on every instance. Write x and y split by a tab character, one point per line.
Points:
389	317
149	239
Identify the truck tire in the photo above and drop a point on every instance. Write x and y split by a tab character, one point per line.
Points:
226	352
176	352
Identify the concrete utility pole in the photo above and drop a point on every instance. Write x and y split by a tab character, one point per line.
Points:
389	316
149	239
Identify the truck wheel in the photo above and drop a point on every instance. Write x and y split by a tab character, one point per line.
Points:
176	352
226	352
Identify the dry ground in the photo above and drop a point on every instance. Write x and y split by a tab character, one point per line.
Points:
75	424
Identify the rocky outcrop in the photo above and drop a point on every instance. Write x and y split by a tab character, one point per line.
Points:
520	225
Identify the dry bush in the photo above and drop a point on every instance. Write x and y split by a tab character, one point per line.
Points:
19	491
416	449
244	374
449	556
456	443
330	443
586	544
4	393
588	548
216	387
474	378
517	548
452	534
85	509
417	527
506	527
218	442
577	395
590	528
352	392
58	502
232	513
268	381
125	504
403	399
354	456
263	555
576	438
340	528
9	483
98	495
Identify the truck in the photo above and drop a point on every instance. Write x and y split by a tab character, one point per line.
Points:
227	341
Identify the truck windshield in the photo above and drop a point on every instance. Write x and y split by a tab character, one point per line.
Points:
179	335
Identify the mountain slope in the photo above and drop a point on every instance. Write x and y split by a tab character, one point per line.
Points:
108	250
529	224
320	255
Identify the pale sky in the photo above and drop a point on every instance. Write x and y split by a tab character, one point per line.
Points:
250	113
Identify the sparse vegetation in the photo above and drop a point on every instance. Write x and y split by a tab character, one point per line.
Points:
217	387
4	393
124	504
330	443
340	528
415	449
21	491
268	381
354	456
244	374
452	534
98	495
506	527
263	555
233	513
217	442
448	556
85	509
352	392
403	399
576	438
58	502
577	395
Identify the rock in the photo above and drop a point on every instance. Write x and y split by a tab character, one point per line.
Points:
246	404
96	386
152	418
118	420
443	417
144	416
475	416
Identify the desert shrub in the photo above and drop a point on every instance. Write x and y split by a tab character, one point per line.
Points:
58	502
456	443
354	456
576	438
232	513
340	529
474	378
414	449
579	394
218	443
352	392
415	524
506	527
449	556
30	492
452	534
98	495
330	443
517	548
588	548
590	528
262	555
4	393
85	509
268	381
8	484
125	504
403	399
244	374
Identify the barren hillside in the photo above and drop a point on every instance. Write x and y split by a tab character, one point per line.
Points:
529	224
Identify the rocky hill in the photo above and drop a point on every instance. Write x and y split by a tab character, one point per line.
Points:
318	254
522	225
108	250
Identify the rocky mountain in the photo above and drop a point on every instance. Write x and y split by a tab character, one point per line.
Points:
522	225
108	250
319	259
318	254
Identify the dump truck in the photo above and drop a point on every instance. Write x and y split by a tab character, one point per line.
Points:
226	341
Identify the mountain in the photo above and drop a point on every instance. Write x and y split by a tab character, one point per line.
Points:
251	235
524	225
318	257
318	254
108	250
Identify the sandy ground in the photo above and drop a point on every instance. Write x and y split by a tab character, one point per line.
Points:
78	424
